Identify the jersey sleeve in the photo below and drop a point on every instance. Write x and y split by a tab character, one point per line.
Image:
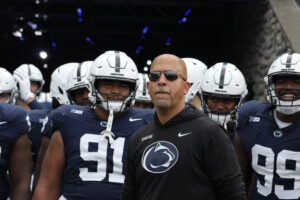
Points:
19	118
55	121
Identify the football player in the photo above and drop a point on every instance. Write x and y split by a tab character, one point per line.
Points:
223	90
195	72
30	84
59	95
142	98
15	154
268	142
86	153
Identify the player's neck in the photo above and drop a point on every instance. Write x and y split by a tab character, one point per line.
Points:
288	118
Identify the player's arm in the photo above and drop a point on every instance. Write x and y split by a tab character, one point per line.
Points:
49	183
243	161
20	169
39	160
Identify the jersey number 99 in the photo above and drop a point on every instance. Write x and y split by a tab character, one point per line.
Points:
268	169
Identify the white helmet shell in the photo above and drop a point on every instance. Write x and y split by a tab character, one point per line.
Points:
59	80
113	65
7	85
34	74
223	80
286	64
78	78
142	94
195	72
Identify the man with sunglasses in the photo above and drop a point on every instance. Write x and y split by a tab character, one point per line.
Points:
181	154
267	139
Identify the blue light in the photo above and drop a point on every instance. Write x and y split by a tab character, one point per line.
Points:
32	25
80	19
139	49
54	45
180	21
184	19
142	36
22	38
187	12
79	12
168	42
89	40
145	30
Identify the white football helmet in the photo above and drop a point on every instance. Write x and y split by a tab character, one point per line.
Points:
142	94
59	81
78	79
284	65
223	80
7	85
113	65
195	72
34	74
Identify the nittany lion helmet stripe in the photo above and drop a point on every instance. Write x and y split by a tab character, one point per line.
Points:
79	72
222	76
118	64
289	60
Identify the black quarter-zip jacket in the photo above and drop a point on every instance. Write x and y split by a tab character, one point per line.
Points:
189	157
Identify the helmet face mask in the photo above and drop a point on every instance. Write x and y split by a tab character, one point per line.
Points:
233	102
285	68
113	66
226	82
111	101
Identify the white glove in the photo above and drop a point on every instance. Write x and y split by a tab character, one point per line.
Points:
24	84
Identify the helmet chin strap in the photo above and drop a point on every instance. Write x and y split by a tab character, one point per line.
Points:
288	107
108	133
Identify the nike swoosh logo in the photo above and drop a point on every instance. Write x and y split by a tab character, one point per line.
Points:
3	122
183	134
134	119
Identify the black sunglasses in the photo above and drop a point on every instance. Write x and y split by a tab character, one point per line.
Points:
170	75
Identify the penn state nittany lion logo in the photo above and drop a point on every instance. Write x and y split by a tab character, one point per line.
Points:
159	157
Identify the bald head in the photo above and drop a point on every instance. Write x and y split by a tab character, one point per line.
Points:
169	62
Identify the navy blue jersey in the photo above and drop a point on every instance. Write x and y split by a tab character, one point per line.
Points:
14	122
273	152
37	119
94	168
47	105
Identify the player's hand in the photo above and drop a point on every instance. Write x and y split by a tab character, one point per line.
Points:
24	84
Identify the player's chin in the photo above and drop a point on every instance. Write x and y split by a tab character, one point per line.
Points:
289	98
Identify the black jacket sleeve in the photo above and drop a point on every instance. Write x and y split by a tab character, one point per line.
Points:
129	186
222	165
